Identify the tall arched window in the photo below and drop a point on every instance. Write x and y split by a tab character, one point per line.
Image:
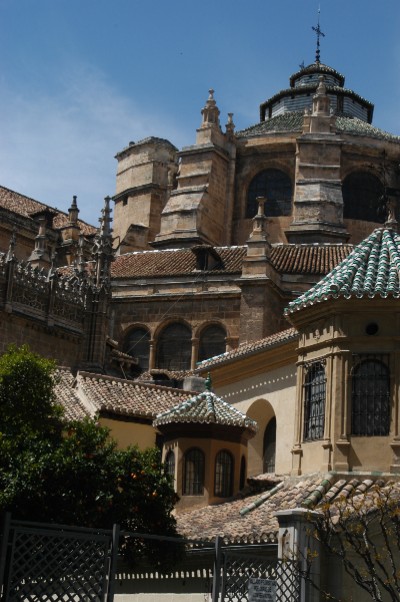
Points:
137	344
362	194
223	474
269	446
212	342
370	409
174	347
193	472
170	463
242	482
314	401
276	187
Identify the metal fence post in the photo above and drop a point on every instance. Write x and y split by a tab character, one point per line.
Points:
113	563
217	569
3	550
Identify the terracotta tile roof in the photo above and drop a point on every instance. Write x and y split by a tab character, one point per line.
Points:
371	270
126	397
315	259
249	519
308	258
279	338
252	519
26	207
174	262
206	408
67	397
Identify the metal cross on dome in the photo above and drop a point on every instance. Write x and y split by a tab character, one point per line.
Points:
319	33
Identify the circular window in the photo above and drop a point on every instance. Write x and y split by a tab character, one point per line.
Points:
371	328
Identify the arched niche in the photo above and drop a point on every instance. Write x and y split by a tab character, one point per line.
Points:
262	412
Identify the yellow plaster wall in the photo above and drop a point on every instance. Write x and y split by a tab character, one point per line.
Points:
130	433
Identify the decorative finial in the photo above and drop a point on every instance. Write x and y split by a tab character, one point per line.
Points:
11	246
208	382
319	33
302	65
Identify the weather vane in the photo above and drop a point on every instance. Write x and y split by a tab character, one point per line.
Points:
319	34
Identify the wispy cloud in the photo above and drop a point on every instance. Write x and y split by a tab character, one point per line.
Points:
54	145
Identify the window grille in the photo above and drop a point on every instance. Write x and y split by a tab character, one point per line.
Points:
223	474
212	342
137	344
193	472
314	401
276	187
170	464
370	408
174	347
362	197
269	446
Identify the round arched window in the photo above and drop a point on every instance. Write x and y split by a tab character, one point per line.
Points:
137	344
276	187
174	347
212	342
362	197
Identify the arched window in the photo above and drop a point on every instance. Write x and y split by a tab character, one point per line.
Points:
242	482
170	463
137	344
212	342
174	347
370	409
223	474
362	194
269	446
193	472
314	401
276	187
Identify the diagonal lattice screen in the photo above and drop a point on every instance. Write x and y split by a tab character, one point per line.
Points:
248	578
52	566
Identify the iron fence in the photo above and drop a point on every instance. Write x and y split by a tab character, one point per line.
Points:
55	562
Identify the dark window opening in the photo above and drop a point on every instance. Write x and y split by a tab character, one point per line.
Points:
212	342
362	197
269	446
223	474
193	472
276	187
314	401
170	464
137	344
370	407
242	481
174	348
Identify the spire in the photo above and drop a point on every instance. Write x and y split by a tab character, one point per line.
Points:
319	34
211	111
40	256
102	250
11	246
73	212
321	102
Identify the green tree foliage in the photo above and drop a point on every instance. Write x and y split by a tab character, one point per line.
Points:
52	470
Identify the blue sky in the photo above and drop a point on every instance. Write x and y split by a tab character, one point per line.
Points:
79	79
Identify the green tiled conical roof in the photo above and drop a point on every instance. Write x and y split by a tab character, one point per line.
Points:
206	408
371	270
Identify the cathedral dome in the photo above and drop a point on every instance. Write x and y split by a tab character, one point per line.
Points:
303	85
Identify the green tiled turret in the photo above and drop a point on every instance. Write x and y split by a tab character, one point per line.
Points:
206	408
371	270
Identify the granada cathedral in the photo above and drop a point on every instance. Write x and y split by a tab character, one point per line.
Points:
199	255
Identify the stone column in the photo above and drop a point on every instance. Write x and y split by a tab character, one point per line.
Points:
297	545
